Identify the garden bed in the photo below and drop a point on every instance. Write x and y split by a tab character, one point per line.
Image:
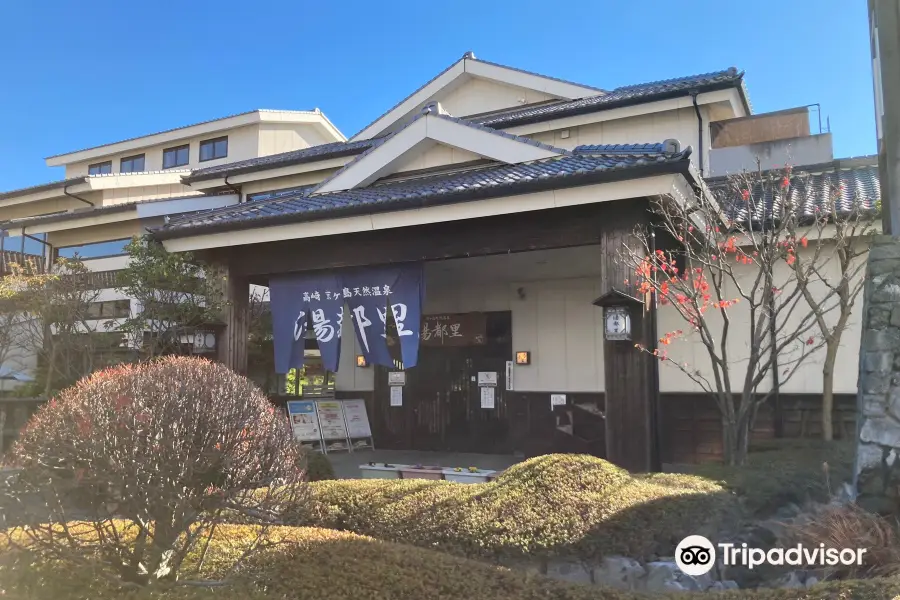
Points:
311	564
550	506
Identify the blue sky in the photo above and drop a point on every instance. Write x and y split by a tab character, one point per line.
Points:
78	74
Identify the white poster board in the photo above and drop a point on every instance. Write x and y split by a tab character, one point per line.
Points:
487	378
509	376
331	419
396	395
357	419
557	400
487	397
304	420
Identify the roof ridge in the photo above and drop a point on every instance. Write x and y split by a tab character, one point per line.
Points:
731	71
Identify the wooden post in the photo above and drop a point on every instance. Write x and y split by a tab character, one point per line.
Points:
232	343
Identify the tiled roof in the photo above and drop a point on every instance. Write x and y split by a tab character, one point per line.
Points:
854	180
632	94
621	96
434	111
81	213
284	159
581	167
42	187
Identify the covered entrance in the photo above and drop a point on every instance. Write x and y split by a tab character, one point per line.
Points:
442	407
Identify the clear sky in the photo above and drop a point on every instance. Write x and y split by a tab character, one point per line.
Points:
79	74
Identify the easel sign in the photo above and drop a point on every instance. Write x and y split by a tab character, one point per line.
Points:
331	422
305	423
358	429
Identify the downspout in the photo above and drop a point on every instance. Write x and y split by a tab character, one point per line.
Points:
656	458
66	192
699	129
230	186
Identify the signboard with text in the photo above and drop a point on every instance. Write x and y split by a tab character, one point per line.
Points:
461	329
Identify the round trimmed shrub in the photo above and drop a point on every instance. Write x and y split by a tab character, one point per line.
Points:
170	447
318	467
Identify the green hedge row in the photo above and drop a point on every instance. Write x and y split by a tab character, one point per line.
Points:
311	564
554	505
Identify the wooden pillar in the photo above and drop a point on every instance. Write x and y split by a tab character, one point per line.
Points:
631	420
232	343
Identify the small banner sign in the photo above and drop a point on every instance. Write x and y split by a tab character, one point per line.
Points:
463	329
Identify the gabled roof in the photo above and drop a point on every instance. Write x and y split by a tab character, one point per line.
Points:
433	125
469	66
854	180
583	166
621	96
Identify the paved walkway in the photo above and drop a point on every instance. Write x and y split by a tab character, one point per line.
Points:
346	465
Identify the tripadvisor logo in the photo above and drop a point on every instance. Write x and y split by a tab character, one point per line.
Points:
695	555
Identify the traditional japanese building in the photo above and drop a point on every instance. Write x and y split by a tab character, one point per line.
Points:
468	239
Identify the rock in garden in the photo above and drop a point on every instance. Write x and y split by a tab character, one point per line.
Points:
619	572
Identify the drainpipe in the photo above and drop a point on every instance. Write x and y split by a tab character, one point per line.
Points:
66	192
699	129
232	188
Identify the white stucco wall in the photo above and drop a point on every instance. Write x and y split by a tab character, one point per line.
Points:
555	320
478	95
807	379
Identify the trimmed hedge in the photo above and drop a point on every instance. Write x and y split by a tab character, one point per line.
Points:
318	467
779	472
311	564
554	505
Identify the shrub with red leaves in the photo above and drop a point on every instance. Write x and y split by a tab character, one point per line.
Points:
171	447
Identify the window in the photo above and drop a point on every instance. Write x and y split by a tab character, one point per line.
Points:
213	149
111	309
176	157
104	168
96	250
132	164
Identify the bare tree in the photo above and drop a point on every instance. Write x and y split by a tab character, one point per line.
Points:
718	268
841	232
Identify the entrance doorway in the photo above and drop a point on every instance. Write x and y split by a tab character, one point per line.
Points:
442	406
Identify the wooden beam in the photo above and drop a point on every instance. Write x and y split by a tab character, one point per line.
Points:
537	230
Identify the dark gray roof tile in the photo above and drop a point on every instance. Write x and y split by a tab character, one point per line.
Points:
621	96
854	182
485	181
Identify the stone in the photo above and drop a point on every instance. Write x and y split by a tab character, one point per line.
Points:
619	572
881	431
881	339
889	291
895	316
765	535
884	266
572	572
878	504
884	247
869	456
791	581
879	316
876	383
874	405
729	584
880	361
666	576
811	581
